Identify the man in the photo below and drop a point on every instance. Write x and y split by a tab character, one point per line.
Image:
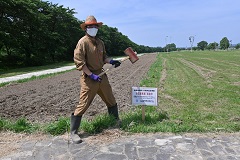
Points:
89	57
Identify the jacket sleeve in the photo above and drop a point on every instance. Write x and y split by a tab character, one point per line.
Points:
79	56
105	56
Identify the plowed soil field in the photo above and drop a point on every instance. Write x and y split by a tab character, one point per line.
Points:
47	99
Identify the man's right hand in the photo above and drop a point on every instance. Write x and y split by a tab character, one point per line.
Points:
95	77
115	63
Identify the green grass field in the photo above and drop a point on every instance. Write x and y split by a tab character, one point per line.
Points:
198	92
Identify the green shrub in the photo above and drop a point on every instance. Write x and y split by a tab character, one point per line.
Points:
59	127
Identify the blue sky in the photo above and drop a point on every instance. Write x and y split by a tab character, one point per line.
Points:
157	22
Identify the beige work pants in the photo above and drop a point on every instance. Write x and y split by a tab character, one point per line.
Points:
89	89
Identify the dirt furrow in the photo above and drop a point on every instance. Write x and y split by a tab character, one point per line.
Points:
205	73
218	61
163	78
47	99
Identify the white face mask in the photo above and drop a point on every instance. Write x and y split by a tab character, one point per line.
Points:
92	31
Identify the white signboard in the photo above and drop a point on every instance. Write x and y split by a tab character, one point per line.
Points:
144	96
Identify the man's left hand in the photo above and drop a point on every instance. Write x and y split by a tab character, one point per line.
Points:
115	63
95	77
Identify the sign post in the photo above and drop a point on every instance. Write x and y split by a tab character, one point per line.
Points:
144	96
143	113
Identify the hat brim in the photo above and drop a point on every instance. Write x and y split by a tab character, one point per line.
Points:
83	25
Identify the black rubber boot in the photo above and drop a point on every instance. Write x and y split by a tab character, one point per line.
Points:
114	111
74	125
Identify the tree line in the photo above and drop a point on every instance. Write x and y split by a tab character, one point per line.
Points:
224	44
33	32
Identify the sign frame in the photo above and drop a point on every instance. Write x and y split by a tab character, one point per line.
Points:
144	96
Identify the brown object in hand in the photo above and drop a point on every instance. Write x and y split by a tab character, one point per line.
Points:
132	56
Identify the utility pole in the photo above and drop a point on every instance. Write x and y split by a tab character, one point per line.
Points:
230	44
166	49
191	39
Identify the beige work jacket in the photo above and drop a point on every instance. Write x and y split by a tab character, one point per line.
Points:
90	51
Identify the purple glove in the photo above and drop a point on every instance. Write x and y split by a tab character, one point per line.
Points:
115	63
95	77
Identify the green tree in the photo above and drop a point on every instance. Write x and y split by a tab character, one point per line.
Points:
237	46
171	47
202	45
115	41
224	43
195	48
34	32
213	45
